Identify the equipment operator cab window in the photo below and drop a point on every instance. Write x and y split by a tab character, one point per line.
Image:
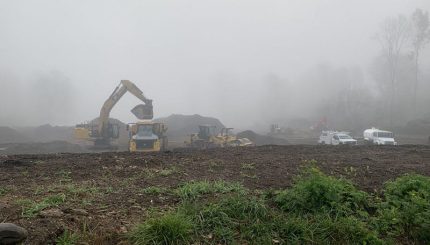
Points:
144	130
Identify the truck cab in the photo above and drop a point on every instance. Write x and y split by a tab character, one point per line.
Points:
379	137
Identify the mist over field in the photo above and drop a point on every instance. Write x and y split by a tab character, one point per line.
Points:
247	63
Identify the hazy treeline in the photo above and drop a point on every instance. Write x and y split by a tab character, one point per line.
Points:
392	91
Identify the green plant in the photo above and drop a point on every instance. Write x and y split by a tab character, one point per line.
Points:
171	228
233	219
155	190
3	191
31	208
405	209
64	176
193	190
67	238
315	192
80	191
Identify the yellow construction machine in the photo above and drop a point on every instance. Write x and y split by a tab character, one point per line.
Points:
147	136
102	131
207	137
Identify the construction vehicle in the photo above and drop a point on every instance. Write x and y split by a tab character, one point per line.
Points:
207	137
378	137
147	136
336	138
101	131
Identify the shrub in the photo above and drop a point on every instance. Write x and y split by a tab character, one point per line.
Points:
405	209
171	228
315	192
323	229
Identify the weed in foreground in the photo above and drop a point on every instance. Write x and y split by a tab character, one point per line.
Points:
31	209
171	228
67	238
155	190
405	209
3	191
192	190
315	192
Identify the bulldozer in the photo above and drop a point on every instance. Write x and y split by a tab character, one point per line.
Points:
102	132
207	138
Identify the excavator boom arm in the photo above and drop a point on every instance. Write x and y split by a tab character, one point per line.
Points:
117	94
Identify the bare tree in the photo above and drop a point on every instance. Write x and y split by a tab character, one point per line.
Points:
393	36
420	38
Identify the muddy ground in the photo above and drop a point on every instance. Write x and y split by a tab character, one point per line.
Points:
103	197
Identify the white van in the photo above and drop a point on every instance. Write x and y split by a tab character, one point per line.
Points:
336	138
379	137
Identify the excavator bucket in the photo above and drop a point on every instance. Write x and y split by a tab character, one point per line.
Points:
143	111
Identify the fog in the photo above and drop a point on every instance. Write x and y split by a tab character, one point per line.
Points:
248	63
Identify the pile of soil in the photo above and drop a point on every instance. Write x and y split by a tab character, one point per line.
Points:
41	147
10	135
104	190
259	139
47	133
180	127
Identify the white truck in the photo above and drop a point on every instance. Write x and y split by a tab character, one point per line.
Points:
336	138
378	137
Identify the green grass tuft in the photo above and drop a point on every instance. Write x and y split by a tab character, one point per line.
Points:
67	238
155	190
193	190
31	209
171	228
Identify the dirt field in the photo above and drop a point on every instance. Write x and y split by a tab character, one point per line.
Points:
101	194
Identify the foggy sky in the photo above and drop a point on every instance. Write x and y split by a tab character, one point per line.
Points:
212	57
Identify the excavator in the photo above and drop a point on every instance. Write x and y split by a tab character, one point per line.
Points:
208	138
102	131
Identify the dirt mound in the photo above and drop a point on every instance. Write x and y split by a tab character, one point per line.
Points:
10	135
259	139
47	133
39	148
184	125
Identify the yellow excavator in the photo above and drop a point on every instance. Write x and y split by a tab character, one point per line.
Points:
102	131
